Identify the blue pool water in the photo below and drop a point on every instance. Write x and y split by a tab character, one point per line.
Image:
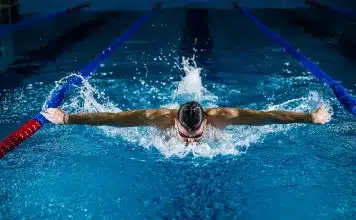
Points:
268	172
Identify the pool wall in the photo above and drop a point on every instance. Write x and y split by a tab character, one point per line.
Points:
31	6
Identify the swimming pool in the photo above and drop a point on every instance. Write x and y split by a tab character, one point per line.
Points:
269	172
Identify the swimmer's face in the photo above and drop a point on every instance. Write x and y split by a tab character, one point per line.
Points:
188	136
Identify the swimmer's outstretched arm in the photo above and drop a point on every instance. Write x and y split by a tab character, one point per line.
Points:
161	118
236	116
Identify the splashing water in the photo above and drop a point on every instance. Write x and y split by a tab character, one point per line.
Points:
87	100
234	140
191	86
57	86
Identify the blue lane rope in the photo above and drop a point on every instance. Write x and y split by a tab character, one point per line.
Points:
346	99
31	21
346	12
59	95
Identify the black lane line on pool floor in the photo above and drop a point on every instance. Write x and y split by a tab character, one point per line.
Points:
197	36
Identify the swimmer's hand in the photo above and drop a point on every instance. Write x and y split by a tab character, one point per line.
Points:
55	115
320	115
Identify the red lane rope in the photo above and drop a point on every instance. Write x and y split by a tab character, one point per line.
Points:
24	132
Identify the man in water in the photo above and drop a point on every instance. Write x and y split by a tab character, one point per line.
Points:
190	120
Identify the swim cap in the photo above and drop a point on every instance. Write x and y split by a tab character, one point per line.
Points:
191	115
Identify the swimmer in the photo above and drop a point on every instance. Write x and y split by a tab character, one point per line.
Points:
190	120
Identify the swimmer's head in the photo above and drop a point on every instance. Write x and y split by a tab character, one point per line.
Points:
190	122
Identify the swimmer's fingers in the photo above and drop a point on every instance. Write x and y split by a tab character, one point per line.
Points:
317	109
321	115
54	115
48	116
54	111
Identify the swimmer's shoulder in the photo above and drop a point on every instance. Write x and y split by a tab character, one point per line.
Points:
162	118
220	117
161	112
223	112
166	112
